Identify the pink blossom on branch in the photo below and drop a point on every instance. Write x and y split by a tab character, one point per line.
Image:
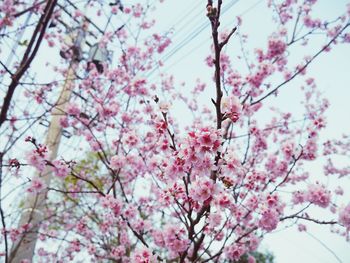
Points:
144	185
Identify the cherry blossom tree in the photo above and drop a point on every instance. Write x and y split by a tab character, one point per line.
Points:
131	183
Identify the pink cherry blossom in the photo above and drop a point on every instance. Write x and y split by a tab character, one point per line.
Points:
269	220
344	216
318	195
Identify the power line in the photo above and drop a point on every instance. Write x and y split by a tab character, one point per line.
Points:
196	32
186	17
249	9
191	36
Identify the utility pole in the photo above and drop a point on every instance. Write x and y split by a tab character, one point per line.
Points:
34	209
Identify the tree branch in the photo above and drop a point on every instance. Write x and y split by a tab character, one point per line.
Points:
302	68
28	57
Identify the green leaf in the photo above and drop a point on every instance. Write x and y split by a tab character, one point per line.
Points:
23	43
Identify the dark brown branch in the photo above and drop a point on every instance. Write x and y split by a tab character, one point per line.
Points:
29	9
302	68
72	192
310	219
248	144
171	135
215	25
289	172
295	26
223	43
139	236
6	68
214	17
28	57
89	182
